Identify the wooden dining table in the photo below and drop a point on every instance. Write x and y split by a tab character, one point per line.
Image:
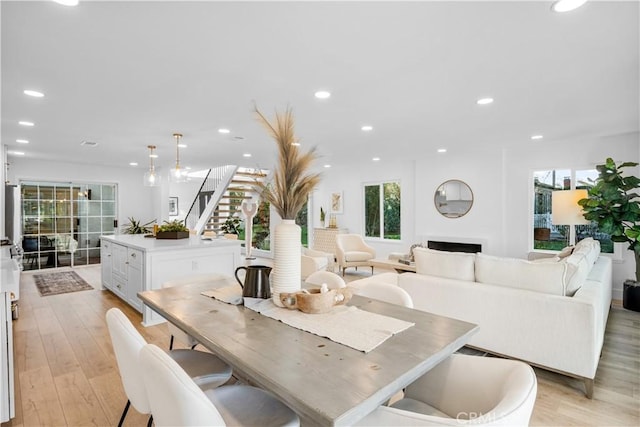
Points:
324	382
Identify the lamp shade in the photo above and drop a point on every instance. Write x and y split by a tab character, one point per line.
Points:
565	209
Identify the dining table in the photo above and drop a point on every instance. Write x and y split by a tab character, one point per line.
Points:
324	382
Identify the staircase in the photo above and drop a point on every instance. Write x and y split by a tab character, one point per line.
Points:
221	196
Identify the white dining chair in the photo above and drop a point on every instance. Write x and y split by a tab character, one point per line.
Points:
332	280
385	292
464	390
206	369
176	400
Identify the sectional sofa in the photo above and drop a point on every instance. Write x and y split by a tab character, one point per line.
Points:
549	312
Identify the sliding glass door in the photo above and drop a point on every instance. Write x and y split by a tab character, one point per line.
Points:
62	222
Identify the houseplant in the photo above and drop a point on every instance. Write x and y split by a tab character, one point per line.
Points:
136	227
322	216
231	227
614	204
172	230
291	185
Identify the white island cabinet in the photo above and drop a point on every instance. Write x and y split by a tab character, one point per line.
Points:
134	263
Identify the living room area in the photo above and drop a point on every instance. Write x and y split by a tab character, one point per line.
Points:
403	111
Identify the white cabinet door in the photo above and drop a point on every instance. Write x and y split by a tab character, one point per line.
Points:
135	277
106	264
119	260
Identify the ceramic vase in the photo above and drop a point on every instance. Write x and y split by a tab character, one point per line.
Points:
287	258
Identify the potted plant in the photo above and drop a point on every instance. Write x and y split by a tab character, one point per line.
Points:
231	227
322	216
614	204
135	227
172	230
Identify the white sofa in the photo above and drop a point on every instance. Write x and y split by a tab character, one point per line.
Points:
551	313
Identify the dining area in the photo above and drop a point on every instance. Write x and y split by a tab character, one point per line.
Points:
369	359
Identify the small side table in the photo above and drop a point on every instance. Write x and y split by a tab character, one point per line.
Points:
631	295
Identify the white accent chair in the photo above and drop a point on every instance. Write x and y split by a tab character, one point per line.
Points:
177	401
313	261
175	332
385	292
352	251
205	368
464	390
332	280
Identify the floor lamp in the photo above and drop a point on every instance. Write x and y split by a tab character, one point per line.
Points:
566	211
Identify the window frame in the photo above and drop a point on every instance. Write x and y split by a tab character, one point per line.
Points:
380	185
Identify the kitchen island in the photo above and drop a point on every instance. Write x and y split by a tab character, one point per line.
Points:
135	263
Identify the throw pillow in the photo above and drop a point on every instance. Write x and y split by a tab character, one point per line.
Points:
565	252
415	245
450	265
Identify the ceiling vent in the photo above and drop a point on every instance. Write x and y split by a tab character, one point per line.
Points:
89	143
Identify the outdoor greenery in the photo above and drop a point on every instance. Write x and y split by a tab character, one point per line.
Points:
615	205
388	213
232	225
136	227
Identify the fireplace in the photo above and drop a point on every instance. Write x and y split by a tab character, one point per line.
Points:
454	246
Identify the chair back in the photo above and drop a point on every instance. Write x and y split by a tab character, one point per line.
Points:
350	242
332	280
174	397
127	343
386	292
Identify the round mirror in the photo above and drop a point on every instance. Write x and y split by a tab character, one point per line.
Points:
453	198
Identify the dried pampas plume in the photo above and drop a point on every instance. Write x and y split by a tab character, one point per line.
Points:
292	182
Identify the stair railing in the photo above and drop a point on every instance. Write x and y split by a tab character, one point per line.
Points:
223	176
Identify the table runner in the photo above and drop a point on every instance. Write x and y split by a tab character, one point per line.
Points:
346	325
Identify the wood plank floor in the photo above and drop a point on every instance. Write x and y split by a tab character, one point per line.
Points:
66	373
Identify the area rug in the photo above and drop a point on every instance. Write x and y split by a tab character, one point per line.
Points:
60	283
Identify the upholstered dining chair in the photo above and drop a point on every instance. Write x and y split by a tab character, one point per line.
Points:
176	333
332	280
207	370
464	390
385	292
176	400
352	251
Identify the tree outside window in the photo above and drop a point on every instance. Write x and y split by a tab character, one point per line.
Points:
382	204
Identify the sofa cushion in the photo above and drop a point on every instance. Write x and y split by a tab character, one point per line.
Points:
355	256
580	264
450	265
590	248
545	277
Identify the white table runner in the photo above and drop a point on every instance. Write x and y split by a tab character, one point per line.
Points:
346	325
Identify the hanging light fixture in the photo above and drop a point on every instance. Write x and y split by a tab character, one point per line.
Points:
151	178
178	174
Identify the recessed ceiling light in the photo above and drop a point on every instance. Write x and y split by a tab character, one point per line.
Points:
567	5
367	128
154	156
223	130
534	137
188	168
16	153
295	144
182	145
484	101
25	123
327	166
322	94
246	155
376	159
67	2
22	141
33	93
442	150
133	164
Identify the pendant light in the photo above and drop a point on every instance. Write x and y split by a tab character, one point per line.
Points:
178	174
151	178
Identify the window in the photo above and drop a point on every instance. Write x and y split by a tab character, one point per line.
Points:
382	210
261	231
548	236
302	221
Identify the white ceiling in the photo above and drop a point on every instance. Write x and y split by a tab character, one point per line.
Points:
128	74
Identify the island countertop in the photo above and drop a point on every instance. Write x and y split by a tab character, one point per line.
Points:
151	244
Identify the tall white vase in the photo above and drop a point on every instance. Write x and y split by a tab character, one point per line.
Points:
286	271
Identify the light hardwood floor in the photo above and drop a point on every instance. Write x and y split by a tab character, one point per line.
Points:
66	373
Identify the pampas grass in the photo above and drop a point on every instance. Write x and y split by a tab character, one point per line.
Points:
292	181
